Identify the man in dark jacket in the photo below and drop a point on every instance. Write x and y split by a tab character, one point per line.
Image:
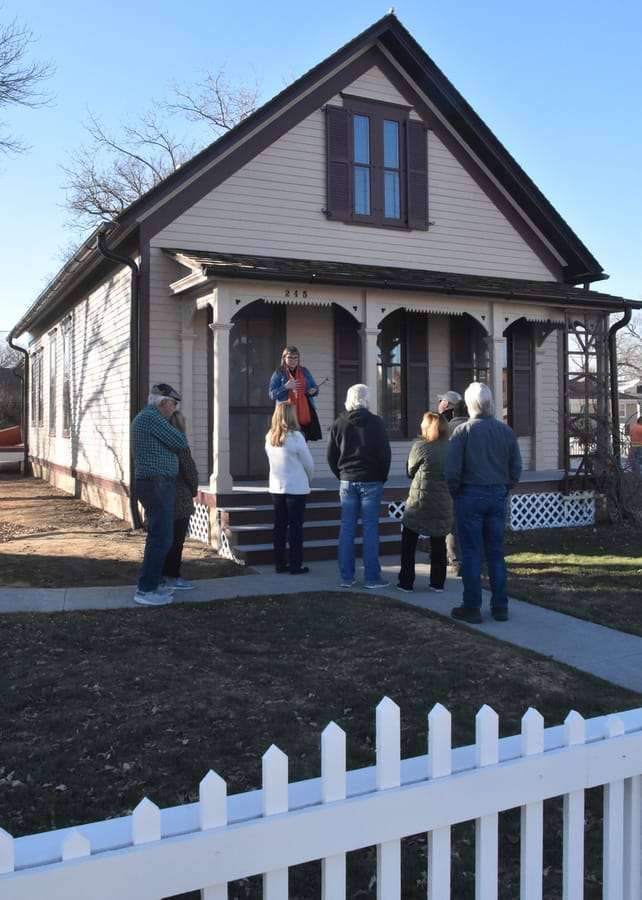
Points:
359	455
482	465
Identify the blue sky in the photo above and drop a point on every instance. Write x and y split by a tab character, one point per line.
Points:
559	82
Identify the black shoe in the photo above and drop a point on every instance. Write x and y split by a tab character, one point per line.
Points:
468	614
281	569
302	571
499	613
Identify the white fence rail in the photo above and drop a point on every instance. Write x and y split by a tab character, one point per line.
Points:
158	853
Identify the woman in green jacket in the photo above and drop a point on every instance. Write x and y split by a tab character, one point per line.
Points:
429	507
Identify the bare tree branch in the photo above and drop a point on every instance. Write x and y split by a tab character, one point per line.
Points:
112	171
20	79
215	101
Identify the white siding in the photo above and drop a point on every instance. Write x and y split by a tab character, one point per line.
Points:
98	444
274	206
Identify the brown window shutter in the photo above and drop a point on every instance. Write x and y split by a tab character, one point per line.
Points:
338	149
417	174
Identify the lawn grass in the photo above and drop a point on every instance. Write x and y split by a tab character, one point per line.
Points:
593	573
102	708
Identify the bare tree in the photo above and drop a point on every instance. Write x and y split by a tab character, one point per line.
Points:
20	79
629	350
112	171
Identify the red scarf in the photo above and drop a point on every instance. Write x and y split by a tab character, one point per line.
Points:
297	397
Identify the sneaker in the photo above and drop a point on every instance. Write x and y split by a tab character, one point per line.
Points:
499	613
348	583
404	589
177	584
302	571
165	588
152	598
281	569
371	585
468	614
435	590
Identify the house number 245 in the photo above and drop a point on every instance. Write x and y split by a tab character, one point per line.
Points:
295	293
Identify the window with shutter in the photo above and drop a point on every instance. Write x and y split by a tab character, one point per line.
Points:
377	165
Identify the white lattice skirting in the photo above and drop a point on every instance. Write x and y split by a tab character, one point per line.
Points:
199	524
528	512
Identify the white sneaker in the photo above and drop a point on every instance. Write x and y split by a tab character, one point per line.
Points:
372	585
152	598
164	588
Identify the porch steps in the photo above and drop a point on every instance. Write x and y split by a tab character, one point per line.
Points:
247	521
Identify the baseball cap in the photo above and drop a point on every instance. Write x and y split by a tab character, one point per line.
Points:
165	390
451	396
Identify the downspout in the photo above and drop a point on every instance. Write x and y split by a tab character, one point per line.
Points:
25	405
134	355
615	404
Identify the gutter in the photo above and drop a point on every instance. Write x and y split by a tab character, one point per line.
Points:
25	403
615	405
134	350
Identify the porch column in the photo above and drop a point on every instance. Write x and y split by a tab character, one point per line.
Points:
187	338
221	478
369	346
496	349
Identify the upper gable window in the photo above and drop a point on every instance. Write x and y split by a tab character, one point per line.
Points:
377	166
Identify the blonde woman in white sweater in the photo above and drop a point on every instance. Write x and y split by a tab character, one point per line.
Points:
291	471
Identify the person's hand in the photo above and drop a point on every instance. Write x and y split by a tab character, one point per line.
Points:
443	406
291	384
313	391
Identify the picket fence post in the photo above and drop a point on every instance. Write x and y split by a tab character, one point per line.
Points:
532	815
388	776
573	829
439	766
333	788
486	847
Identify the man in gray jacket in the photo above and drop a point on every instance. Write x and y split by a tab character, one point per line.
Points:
359	455
482	465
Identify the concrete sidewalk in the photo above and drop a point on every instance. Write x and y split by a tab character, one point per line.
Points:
611	655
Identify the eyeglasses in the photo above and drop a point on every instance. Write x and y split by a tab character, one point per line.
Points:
291	356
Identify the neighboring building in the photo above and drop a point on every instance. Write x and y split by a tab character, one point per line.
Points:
365	214
630	408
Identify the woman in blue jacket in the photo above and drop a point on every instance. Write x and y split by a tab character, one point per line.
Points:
294	383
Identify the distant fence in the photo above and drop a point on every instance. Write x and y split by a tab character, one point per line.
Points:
205	845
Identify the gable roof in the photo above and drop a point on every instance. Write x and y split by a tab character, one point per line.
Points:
385	42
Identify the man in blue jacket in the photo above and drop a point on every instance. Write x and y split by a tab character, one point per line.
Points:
482	465
358	453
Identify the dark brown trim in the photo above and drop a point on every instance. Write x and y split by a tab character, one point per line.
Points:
105	484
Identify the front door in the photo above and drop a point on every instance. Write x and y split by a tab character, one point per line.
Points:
257	340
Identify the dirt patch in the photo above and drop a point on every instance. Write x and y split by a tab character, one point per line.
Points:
50	539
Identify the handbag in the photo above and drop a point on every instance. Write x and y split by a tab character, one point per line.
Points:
312	429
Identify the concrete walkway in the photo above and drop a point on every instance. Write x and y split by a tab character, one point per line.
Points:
611	655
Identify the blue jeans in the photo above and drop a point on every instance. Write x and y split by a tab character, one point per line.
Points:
360	499
480	512
289	511
157	497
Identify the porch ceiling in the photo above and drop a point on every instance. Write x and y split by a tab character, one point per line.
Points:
305	271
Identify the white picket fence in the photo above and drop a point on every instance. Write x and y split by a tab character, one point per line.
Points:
158	853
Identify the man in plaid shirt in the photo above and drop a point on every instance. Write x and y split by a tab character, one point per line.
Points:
155	444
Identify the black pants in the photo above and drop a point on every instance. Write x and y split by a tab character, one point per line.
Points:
289	512
409	540
172	565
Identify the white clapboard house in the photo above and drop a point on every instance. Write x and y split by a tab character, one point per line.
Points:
365	214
